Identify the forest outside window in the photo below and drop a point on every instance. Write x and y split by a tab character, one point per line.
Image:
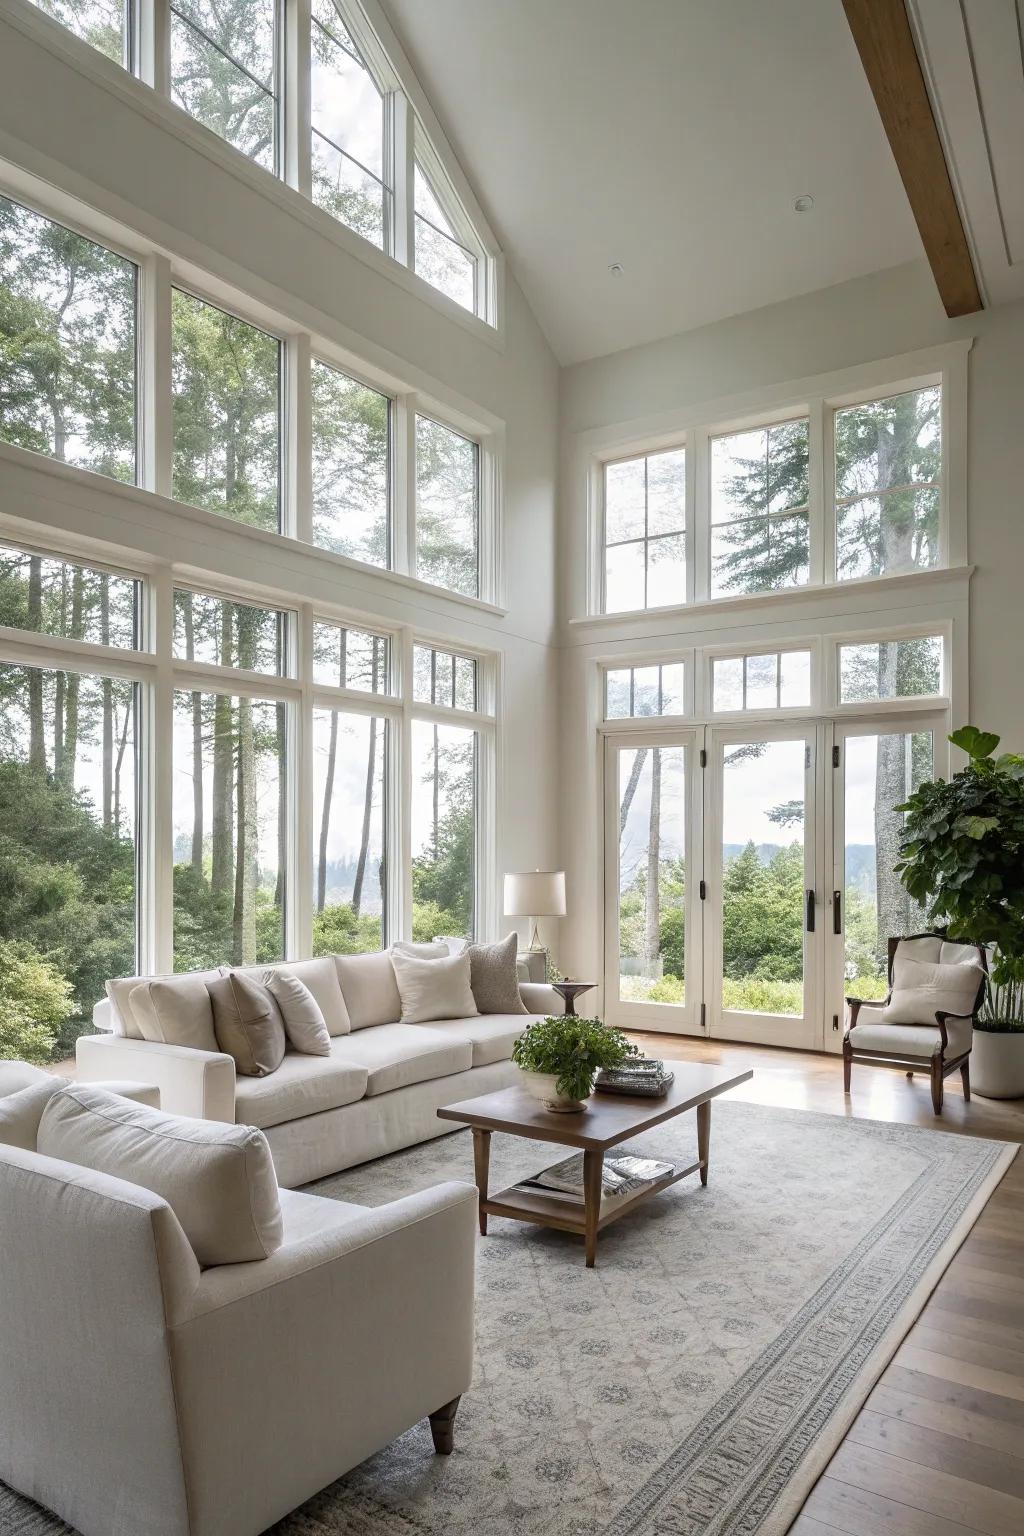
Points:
441	258
67	345
226	385
348	137
633	693
441	677
103	24
447	508
760	521
223	70
444	830
888	484
350	778
351	466
645	531
47	595
891	669
344	657
228	634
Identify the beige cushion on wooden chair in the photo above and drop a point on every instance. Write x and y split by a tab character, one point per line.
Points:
922	988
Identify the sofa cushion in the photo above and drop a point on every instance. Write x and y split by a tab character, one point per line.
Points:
494	976
176	1010
433	989
21	1112
896	1039
302	1085
491	1035
921	988
304	1022
248	1024
321	977
218	1179
124	1018
395	1055
370	990
15	1075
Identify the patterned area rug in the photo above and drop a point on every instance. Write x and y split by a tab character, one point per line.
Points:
696	1382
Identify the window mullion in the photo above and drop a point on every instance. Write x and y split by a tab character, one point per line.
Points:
154	44
299	790
399	895
700	516
297	91
156	927
297	512
402	511
156	413
401	120
817	514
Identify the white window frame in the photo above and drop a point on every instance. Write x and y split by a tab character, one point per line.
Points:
714	653
634	665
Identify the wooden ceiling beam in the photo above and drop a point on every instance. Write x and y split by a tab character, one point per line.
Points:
885	42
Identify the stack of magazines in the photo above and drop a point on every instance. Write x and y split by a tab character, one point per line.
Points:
641	1075
621	1176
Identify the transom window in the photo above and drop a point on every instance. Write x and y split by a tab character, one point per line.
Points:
759	509
48	596
447	507
224	72
348	138
101	23
351	466
228	634
890	669
441	258
636	692
765	681
344	657
645	531
888	484
442	677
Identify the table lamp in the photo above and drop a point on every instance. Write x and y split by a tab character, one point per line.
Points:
534	894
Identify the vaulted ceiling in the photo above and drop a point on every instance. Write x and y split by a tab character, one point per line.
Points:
670	136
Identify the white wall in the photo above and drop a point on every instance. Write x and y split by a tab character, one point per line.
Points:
888	313
66	127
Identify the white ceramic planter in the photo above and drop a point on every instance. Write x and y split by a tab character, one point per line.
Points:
542	1086
997	1065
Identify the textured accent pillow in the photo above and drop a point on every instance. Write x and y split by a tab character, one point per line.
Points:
494	976
922	988
248	1024
218	1179
21	1112
433	989
304	1023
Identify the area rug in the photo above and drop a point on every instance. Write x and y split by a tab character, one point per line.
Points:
698	1380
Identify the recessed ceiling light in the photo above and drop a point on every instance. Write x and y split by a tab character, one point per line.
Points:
803	204
616	269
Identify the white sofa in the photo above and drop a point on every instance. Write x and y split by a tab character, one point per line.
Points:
141	1393
378	1091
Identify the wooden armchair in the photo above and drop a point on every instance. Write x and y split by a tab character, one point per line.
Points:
939	1044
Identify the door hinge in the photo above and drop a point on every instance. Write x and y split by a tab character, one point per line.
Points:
703	757
835	757
807	757
703	1015
703	890
835	1022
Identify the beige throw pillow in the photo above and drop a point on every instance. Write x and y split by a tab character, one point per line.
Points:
218	1179
175	1010
494	976
922	988
433	989
248	1024
304	1023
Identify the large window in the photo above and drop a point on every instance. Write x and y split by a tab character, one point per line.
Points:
227	413
348	142
888	468
223	70
101	23
67	345
759	509
350	877
447	507
230	829
645	531
351	466
441	258
444	797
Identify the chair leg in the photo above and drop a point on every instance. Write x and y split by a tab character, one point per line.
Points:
847	1066
965	1078
910	1074
442	1427
937	1084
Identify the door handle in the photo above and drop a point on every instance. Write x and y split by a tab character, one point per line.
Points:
810	910
837	911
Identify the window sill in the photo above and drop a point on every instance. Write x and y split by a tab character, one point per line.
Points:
756	602
136	93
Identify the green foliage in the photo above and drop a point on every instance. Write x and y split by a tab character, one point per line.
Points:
962	855
338	930
571	1049
35	1003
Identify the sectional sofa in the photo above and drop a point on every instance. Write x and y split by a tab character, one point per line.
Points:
378	1091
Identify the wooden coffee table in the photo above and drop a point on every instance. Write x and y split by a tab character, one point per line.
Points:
608	1120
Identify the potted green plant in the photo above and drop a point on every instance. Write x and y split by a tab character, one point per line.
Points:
962	857
558	1058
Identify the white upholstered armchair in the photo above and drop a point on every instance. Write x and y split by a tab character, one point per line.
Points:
926	1021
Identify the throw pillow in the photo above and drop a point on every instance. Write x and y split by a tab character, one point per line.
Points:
218	1179
433	989
175	1010
248	1024
21	1112
922	988
494	976
304	1023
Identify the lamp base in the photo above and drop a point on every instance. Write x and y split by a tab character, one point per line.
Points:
535	942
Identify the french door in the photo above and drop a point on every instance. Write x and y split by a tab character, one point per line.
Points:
749	880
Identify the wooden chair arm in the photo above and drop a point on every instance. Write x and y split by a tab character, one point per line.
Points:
855	1004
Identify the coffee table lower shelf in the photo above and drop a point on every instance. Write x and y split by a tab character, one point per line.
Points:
552	1210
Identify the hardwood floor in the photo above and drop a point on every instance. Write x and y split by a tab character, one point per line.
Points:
938	1448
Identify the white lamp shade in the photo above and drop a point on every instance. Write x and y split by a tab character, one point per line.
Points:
536	893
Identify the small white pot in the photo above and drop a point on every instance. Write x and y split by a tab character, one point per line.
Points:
997	1065
542	1086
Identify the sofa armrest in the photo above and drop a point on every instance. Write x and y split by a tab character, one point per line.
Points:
541	998
197	1083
